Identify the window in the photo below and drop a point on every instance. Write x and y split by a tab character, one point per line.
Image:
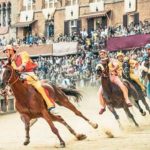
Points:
73	23
72	26
71	2
92	1
29	4
50	3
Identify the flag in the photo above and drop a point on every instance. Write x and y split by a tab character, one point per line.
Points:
129	5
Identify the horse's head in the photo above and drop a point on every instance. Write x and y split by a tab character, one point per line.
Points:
102	70
8	76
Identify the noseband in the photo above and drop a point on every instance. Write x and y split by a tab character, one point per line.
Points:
10	80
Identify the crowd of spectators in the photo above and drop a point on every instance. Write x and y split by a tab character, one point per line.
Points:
90	38
80	68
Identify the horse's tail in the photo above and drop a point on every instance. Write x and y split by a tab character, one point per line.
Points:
72	92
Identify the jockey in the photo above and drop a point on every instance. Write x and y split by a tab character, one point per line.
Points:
23	63
113	68
132	75
120	57
146	68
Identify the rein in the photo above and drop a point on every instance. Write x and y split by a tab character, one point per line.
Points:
11	76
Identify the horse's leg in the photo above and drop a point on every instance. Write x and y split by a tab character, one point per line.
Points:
48	118
115	114
66	103
126	109
139	107
61	120
145	103
26	121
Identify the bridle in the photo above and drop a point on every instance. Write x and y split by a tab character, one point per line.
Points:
105	74
10	81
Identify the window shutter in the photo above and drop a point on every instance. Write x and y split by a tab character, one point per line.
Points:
136	18
66	27
78	26
125	20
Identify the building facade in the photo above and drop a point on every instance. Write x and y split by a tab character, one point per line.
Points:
8	12
50	18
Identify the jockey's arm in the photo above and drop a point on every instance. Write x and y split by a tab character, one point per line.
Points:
133	63
113	66
25	58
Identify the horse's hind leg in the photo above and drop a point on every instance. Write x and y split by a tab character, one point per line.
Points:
47	117
70	106
140	109
26	121
61	120
145	103
130	115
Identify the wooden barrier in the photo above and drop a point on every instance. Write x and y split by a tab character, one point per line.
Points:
7	108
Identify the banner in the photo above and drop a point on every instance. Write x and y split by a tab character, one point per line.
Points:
72	12
127	42
129	5
48	13
65	48
97	6
26	16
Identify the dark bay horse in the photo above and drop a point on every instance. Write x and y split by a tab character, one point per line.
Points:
146	76
140	94
30	103
112	93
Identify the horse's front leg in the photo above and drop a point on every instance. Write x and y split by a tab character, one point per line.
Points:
111	108
26	121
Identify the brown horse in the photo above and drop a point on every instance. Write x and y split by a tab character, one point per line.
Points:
140	94
30	103
112	93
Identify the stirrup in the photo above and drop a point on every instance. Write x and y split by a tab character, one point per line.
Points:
52	110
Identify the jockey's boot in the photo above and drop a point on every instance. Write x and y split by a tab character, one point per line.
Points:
52	110
128	103
102	110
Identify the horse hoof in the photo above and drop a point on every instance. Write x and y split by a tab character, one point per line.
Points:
81	137
95	126
26	142
62	145
109	134
144	113
137	125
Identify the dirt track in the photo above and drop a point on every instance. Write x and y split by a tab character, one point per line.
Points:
129	138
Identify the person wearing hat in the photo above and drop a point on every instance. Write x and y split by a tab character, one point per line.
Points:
120	58
23	63
133	64
114	77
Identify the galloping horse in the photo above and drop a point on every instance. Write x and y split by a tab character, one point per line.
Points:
140	94
112	93
30	103
146	77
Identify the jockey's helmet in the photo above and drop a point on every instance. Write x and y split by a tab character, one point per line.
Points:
120	54
9	47
147	46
